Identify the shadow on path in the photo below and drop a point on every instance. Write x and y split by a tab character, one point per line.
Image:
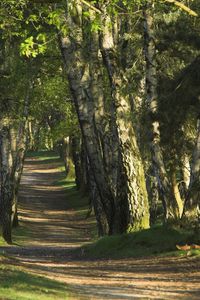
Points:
56	228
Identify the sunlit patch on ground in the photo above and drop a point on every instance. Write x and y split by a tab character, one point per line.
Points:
48	263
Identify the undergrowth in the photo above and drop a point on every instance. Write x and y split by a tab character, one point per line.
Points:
158	240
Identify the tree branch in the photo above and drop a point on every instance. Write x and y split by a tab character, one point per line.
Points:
91	6
183	7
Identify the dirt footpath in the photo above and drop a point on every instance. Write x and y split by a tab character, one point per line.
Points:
57	229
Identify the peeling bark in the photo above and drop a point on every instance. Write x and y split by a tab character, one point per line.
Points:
78	72
132	200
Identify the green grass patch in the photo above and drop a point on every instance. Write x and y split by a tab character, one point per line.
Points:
75	200
2	242
44	156
20	235
17	284
158	240
71	174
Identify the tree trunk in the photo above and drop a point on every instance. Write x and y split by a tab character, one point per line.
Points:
105	125
6	194
169	202
21	146
95	200
80	162
153	194
132	206
13	133
30	135
186	170
66	153
78	73
192	203
76	155
176	193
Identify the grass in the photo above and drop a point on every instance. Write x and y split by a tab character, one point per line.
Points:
18	284
77	201
19	235
44	156
158	240
71	174
2	242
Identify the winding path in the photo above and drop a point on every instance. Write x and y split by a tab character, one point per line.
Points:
56	229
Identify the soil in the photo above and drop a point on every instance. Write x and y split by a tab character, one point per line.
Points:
56	229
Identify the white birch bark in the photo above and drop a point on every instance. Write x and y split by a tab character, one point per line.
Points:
78	72
131	194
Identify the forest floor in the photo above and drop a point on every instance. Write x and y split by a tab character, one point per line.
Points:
53	226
